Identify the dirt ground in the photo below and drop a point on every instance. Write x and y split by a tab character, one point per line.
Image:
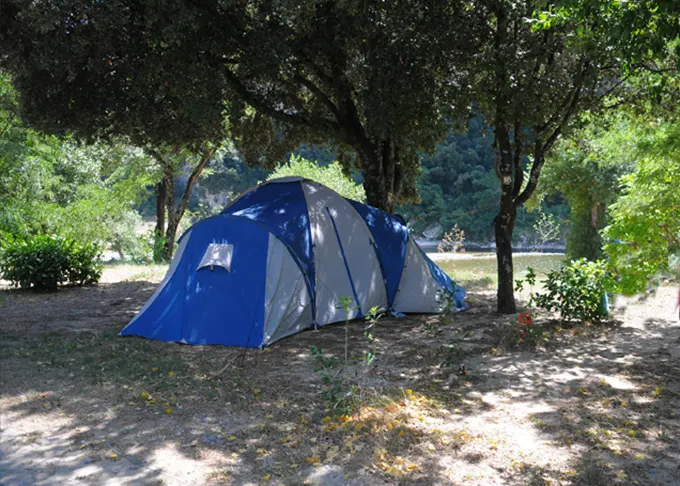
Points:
595	405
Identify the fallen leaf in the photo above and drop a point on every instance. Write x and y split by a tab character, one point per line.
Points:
232	438
171	373
168	410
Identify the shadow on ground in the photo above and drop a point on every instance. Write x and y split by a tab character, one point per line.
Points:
82	406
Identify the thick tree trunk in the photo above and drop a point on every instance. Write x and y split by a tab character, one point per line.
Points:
504	225
382	181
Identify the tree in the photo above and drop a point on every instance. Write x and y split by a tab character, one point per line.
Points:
171	162
330	175
377	79
542	67
585	169
83	192
645	229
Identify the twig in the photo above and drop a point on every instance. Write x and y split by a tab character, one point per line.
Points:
224	368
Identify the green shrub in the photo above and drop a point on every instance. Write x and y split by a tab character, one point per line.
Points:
45	261
577	290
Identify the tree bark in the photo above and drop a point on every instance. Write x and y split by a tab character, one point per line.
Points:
173	221
159	231
381	176
165	204
504	225
504	222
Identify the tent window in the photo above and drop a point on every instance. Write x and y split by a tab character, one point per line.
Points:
217	255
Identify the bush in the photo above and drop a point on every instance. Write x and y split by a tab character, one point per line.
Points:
45	261
577	290
330	175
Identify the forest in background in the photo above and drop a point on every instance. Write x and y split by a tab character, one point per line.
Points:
457	186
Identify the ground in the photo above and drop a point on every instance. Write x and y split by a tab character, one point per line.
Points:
448	400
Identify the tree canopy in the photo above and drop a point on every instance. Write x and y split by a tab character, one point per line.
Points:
375	79
644	233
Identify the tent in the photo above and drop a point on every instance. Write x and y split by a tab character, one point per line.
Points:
277	260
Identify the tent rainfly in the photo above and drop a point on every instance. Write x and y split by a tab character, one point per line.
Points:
277	260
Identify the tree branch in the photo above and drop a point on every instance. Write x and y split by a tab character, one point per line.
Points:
517	155
319	94
299	119
540	149
207	155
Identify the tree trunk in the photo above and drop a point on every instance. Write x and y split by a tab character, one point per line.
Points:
170	237
171	229
175	214
504	222
381	176
159	231
504	225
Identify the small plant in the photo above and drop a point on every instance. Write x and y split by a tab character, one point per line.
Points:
529	278
342	390
547	229
338	393
577	290
452	353
525	332
46	261
374	314
452	241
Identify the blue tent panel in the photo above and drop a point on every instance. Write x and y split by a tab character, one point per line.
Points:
390	238
212	305
224	306
282	209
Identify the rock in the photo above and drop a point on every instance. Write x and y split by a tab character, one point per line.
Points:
434	231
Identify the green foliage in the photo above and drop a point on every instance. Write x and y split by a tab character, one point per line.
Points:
378	90
458	186
577	291
331	175
585	169
82	192
339	395
45	261
644	232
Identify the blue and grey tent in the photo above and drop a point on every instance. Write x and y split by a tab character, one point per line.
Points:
278	259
